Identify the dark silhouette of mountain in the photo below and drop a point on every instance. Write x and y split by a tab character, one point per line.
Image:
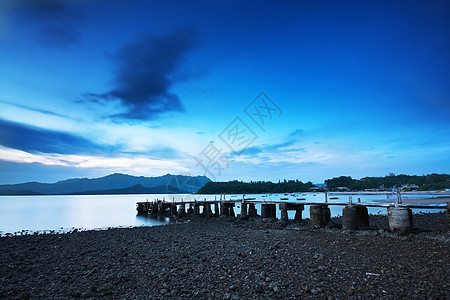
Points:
13	193
135	189
117	181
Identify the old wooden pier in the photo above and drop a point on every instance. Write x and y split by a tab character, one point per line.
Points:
354	215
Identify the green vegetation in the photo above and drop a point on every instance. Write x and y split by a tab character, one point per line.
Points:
429	182
240	187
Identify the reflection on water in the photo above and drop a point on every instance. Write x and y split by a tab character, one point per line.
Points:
152	219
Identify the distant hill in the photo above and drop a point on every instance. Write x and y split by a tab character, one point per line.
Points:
135	189
14	193
163	184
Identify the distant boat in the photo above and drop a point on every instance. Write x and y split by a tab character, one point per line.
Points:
284	198
301	198
303	194
314	195
286	194
332	198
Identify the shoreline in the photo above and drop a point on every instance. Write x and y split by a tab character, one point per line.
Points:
229	258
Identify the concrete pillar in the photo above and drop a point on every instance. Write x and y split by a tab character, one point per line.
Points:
243	210
173	209
181	209
363	217
447	214
223	209
273	211
207	209
216	209
316	216
231	211
284	216
400	219
298	215
265	210
196	209
190	210
154	208
252	211
326	214
349	218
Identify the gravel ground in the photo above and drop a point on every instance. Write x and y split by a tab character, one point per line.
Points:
226	258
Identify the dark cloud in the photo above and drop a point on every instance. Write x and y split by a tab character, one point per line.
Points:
54	21
271	148
297	133
145	72
42	111
33	139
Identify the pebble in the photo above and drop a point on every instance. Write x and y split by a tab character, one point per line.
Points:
208	256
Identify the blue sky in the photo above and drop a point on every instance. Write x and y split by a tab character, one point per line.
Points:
247	90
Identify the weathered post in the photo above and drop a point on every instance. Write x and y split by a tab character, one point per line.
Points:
447	214
231	210
243	214
252	211
265	210
181	209
326	214
273	211
196	209
207	209
284	216
190	209
362	217
216	209
173	209
298	213
223	209
349	218
316	216
400	219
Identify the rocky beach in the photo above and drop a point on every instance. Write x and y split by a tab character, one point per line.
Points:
229	258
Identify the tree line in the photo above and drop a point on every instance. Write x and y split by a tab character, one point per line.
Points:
258	187
428	182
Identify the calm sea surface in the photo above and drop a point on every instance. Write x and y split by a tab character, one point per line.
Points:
63	213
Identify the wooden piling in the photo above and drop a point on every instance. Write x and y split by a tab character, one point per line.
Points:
316	216
231	211
284	216
400	219
252	211
447	214
196	209
243	214
207	209
173	209
362	217
181	209
349	218
265	210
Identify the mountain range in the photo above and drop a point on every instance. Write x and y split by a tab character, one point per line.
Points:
112	184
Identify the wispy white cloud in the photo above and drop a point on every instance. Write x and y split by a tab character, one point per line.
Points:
138	165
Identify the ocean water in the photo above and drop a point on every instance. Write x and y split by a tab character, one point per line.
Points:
65	213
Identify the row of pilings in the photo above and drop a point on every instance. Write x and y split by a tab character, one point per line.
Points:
222	208
354	216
